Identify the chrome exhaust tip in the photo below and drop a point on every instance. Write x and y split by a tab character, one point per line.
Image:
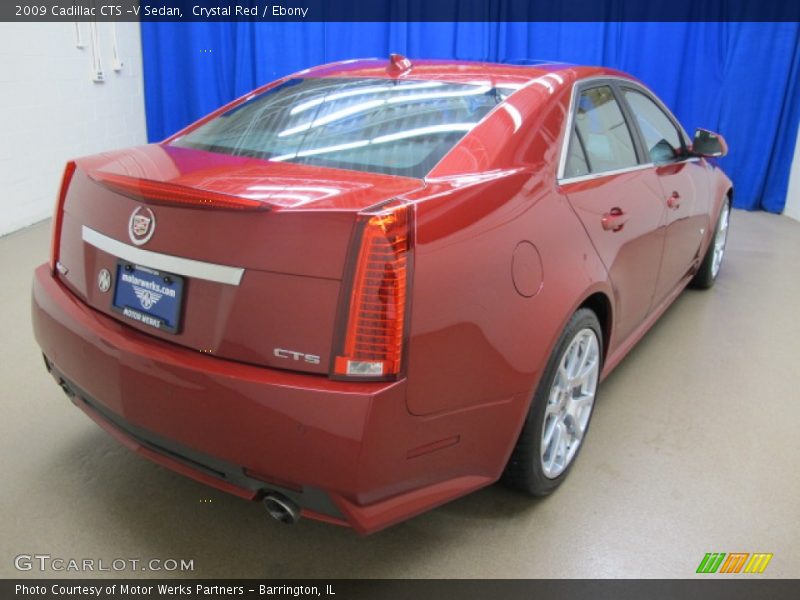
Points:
281	508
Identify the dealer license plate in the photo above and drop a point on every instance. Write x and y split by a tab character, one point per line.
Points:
151	297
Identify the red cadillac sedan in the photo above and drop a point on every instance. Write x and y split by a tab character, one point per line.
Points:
369	288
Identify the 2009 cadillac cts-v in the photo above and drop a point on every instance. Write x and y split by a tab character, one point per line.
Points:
369	288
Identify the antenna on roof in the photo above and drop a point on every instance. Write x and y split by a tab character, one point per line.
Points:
398	64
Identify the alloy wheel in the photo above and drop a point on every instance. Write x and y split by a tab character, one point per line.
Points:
570	403
720	239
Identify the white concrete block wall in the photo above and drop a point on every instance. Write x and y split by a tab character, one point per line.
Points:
792	208
52	111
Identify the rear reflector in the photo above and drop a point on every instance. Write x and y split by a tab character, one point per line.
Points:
58	216
171	193
373	338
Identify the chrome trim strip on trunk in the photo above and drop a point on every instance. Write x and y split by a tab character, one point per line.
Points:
163	262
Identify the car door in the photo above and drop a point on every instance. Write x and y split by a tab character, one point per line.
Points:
617	196
683	181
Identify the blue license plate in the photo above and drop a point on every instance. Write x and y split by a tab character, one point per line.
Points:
148	296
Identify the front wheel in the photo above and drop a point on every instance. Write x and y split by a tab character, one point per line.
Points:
709	269
561	409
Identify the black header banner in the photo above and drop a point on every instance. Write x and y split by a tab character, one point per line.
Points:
398	10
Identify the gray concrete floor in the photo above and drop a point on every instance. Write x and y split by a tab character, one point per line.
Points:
694	448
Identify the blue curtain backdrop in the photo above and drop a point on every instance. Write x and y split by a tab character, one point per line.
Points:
741	79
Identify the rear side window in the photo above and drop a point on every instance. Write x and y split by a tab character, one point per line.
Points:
661	138
577	164
602	135
376	125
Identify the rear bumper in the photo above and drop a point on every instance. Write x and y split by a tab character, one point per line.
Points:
348	453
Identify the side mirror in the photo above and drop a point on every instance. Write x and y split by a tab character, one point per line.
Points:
709	144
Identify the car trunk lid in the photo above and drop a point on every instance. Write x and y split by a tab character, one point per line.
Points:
261	282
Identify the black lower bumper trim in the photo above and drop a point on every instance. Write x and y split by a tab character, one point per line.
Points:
310	498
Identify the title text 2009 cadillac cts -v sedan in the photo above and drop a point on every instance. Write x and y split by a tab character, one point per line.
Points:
371	287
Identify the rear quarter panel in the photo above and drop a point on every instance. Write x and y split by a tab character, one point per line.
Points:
474	339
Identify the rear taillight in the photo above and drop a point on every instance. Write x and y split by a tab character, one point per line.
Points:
172	193
371	346
58	215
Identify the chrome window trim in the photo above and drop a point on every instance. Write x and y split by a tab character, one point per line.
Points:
562	159
590	176
164	262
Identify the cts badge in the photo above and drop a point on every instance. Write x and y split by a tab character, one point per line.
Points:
141	225
311	359
104	280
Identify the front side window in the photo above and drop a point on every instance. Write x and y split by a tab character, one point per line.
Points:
602	133
660	136
375	125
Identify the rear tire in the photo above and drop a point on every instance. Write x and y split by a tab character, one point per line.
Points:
561	410
709	269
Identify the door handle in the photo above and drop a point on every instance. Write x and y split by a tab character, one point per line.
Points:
614	219
674	201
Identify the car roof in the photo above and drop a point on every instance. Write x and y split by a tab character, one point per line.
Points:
460	71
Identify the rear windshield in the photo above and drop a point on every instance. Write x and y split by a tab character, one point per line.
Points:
375	125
